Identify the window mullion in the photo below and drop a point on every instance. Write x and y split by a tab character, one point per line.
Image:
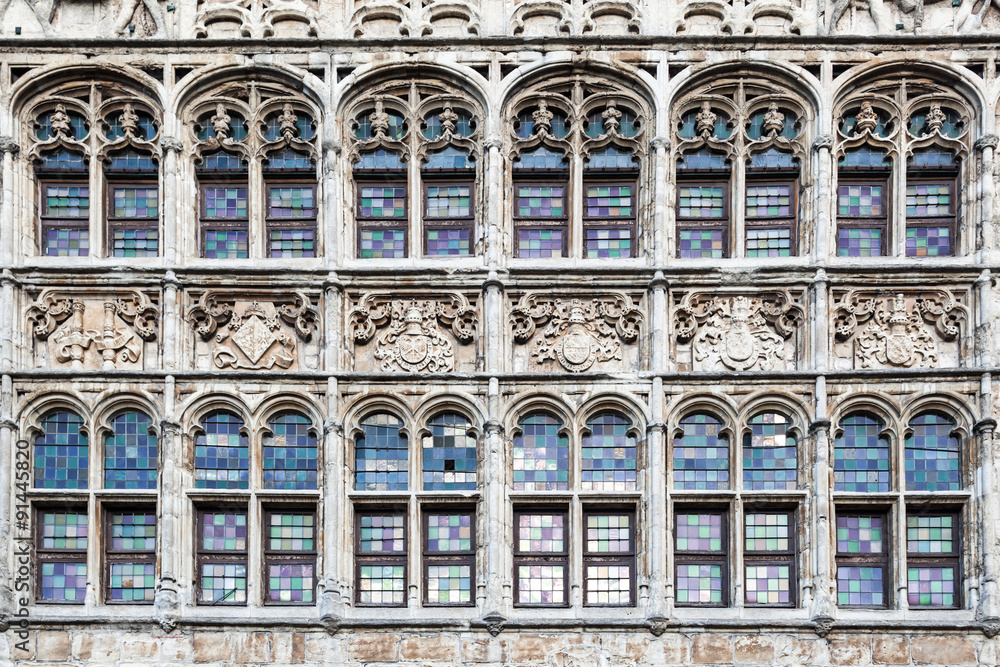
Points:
897	220
899	551
737	208
415	193
574	244
257	204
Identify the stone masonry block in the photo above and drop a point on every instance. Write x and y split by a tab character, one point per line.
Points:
95	647
430	647
710	649
53	645
211	646
374	647
176	648
252	647
943	651
528	647
853	651
891	650
754	650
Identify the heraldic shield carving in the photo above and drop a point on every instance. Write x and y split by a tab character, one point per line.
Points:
739	332
413	340
578	332
899	329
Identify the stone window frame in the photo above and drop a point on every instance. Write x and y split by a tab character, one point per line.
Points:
125	556
414	101
236	117
103	104
576	502
887	108
728	104
279	557
573	100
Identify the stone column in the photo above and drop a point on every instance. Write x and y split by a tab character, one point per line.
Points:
988	509
494	509
821	188
331	214
334	483
986	145
9	148
8	463
823	611
8	317
495	195
658	603
661	250
170	330
172	147
168	601
333	333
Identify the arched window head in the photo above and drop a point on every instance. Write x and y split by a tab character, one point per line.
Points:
933	454
62	454
380	454
770	454
541	454
449	454
609	454
130	452
701	454
861	456
222	453
290	453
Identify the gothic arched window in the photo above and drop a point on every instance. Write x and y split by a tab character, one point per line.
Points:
130	452
701	453
380	454
861	455
770	454
290	453
609	454
62	454
449	454
541	454
933	454
222	452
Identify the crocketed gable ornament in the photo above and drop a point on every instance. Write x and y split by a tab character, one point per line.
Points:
579	332
413	341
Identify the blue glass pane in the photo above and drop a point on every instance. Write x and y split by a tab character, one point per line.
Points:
541	158
380	159
462	121
702	159
541	455
933	158
77	125
449	454
380	455
62	159
132	160
449	158
62	455
932	455
865	157
130	453
612	158
288	159
772	158
770	455
861	456
222	453
290	454
701	456
222	161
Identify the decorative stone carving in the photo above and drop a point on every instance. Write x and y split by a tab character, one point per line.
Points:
738	332
576	17
256	18
579	332
66	325
399	18
255	331
413	340
899	329
139	18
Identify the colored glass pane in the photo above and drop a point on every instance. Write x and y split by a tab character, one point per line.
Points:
767	532
541	455
855	242
383	202
865	201
699	532
229	203
223	583
541	584
449	158
62	455
63	582
132	582
609	584
928	241
383	243
290	582
449	454
859	535
290	453
609	454
860	586
222	161
699	584
237	126
292	532
769	242
927	535
382	584
611	158
130	453
541	201
67	201
224	531
928	199
608	533
609	243
449	201
293	202
293	243
226	244
540	158
380	455
382	533
541	533
769	201
770	454
449	584
222	453
768	584
526	123
701	457
701	244
539	243
449	242
701	201
932	455
861	456
133	531
930	586
135	202
135	242
449	532
64	530
381	160
610	201
64	242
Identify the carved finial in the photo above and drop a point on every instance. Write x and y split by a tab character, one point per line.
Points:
774	120
220	122
705	120
935	119
612	118
543	118
287	121
449	120
866	120
129	121
379	119
59	121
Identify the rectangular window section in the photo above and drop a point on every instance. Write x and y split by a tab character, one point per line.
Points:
65	209
130	557
224	221
449	210
769	558
932	560
702	220
290	557
61	549
930	218
382	220
862	560
541	559
861	219
222	557
701	556
380	562
609	559
133	220
609	220
291	220
449	558
540	216
770	219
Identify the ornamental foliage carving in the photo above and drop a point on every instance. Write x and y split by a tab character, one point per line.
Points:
738	332
899	329
416	333
576	333
112	327
251	331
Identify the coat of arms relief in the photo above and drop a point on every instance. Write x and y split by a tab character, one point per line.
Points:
414	333
738	332
898	329
577	333
248	331
90	329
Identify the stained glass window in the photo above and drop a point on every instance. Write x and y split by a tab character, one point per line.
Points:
290	453
932	546
381	561
62	455
861	560
609	454
859	242
861	455
222	557
865	157
541	559
541	454
770	454
769	201
288	159
226	244
861	200
131	160
292	202
449	158
383	243
64	242
381	160
293	243
67	201
222	161
609	559
130	453
704	159
449	242
701	243
769	558
701	455
933	460
539	243
609	243
62	160
540	158
611	158
769	242
928	241
225	202
289	557
222	453
132	531
449	558
135	202
701	201
64	531
62	581
449	201
449	454
930	217
929	199
382	202
541	201
130	546
701	558
772	158
380	454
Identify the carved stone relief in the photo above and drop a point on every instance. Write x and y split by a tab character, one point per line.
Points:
576	333
256	18
400	18
246	330
51	18
899	329
414	333
739	332
94	329
577	17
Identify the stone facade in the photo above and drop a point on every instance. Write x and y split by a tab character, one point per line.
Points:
290	288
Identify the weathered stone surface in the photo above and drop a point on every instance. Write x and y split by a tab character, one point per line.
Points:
754	649
711	649
253	647
854	651
374	647
942	650
212	646
53	645
430	647
891	650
